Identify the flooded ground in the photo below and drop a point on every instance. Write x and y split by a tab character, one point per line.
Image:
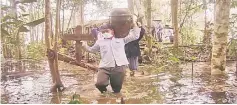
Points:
32	81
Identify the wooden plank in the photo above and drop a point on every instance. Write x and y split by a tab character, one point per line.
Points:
85	37
78	35
78	51
78	47
78	30
72	61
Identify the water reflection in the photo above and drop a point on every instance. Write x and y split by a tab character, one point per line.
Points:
199	88
31	84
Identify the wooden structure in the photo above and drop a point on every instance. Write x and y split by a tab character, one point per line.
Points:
77	36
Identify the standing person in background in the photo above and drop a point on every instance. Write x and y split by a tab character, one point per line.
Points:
158	31
132	50
94	32
171	35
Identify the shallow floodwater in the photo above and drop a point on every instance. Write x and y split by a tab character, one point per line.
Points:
30	82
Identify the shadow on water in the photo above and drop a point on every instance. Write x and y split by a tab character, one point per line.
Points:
30	82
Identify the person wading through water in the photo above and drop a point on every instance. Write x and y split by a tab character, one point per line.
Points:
113	61
132	50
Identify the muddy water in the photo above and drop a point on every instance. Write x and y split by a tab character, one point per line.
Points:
199	86
31	84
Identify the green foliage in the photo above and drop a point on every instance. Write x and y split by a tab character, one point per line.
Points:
36	51
166	59
35	22
4	32
75	99
27	1
23	29
174	59
13	25
232	47
188	35
234	4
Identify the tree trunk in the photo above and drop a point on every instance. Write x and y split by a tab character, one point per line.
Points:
149	14
141	12
82	15
221	25
131	6
42	40
4	50
18	46
47	34
207	28
78	46
73	9
174	11
50	54
57	32
51	34
63	19
149	38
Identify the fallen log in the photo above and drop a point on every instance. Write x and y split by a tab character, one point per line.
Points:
72	61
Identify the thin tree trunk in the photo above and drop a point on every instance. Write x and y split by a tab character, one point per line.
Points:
205	37
71	17
31	28
221	25
47	40
42	40
51	34
63	18
149	13
131	5
37	27
78	46
141	12
57	32
174	11
18	46
4	49
82	15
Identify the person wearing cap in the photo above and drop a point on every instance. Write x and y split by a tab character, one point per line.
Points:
132	50
113	61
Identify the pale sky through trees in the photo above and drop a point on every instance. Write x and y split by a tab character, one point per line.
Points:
91	12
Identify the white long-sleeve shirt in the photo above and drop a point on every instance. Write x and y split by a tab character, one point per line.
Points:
112	50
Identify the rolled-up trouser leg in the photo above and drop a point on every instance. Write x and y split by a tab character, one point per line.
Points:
102	80
116	78
133	63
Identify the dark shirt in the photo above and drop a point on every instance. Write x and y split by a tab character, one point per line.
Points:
132	49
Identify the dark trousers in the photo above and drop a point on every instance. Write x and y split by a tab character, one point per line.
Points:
113	75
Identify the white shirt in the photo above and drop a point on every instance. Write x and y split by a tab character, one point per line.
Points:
112	50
